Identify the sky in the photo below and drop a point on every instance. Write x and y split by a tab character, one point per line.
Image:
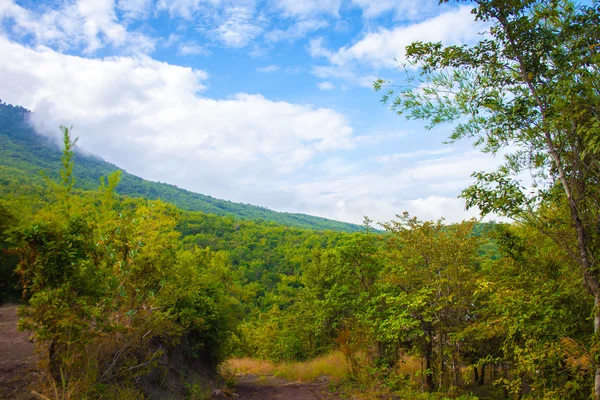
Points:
267	102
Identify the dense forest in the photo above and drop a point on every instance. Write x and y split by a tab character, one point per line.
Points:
133	297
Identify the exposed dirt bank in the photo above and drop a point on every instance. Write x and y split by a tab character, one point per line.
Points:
17	356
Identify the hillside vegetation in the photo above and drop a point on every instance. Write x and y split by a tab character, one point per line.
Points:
24	153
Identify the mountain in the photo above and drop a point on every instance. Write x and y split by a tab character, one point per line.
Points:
24	153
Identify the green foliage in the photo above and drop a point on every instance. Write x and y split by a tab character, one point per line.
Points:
119	289
532	305
492	308
8	261
430	278
529	90
111	291
24	154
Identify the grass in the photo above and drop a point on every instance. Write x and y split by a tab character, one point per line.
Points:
411	367
332	365
249	366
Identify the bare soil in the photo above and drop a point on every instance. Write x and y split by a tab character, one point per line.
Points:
17	356
260	387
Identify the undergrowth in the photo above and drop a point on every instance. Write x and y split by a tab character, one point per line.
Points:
367	385
332	365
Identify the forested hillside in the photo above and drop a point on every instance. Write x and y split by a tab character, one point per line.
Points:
23	154
132	297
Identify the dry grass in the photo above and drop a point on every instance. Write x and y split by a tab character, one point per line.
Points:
249	366
411	367
332	365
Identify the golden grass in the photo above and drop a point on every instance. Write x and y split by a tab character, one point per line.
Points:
332	365
250	366
409	366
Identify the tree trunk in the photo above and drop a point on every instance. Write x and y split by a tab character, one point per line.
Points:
505	373
442	363
597	332
475	376
482	376
456	365
429	365
590	279
590	276
422	375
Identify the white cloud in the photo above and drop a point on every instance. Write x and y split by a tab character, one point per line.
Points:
89	25
343	73
191	49
147	117
268	68
316	48
135	9
325	85
403	9
427	189
184	8
378	137
233	23
237	27
307	8
378	49
414	154
452	209
171	40
296	31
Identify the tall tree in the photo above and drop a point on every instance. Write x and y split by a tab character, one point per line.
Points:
427	286
530	89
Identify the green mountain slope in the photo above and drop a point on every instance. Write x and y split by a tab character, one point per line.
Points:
23	154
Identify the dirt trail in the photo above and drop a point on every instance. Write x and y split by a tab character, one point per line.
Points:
255	387
17	356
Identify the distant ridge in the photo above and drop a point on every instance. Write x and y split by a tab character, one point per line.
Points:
24	153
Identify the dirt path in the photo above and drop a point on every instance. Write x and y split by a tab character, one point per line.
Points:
255	387
17	356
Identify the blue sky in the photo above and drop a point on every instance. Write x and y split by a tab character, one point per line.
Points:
263	102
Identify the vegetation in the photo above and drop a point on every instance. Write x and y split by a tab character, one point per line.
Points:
332	365
122	292
23	154
133	297
532	85
112	295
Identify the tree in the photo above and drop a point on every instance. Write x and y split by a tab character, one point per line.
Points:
113	298
529	89
427	287
533	313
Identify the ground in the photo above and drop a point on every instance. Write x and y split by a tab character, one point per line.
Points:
256	387
18	356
